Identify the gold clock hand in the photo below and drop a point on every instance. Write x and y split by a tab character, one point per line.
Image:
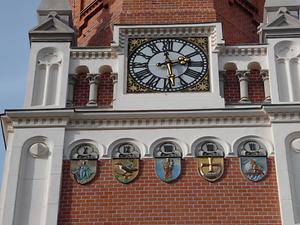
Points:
170	73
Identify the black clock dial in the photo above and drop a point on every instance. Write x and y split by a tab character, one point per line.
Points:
168	64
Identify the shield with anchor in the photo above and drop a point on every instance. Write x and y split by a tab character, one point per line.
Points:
126	158
210	158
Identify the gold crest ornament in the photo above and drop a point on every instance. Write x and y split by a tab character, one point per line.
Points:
126	158
84	158
210	158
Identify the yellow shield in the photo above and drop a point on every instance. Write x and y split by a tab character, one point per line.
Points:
211	168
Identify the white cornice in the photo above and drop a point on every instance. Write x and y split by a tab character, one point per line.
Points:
82	119
283	113
213	30
101	53
246	50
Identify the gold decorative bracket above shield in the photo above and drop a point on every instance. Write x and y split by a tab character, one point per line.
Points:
126	159
253	160
168	161
84	158
210	158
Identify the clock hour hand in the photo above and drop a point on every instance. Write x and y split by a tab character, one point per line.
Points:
169	63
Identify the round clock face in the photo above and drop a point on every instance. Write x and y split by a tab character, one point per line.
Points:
168	64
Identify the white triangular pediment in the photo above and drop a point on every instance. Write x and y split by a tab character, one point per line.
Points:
284	20
53	25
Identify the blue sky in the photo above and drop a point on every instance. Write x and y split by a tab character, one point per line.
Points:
16	19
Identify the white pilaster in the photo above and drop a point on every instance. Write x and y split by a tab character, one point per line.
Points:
93	81
266	79
243	79
70	96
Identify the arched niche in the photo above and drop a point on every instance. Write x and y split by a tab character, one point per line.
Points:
47	76
230	66
254	66
82	70
114	146
219	143
183	146
105	69
70	147
265	143
34	175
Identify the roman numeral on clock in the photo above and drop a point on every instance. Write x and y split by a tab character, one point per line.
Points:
182	81
143	74
143	55
196	64
192	54
140	65
167	84
167	45
153	81
154	48
192	73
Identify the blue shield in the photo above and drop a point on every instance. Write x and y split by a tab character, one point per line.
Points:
168	169
254	168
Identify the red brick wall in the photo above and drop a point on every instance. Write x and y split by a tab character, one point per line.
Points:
239	21
95	25
81	90
105	90
255	87
190	200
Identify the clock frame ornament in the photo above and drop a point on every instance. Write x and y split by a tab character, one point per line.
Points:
168	65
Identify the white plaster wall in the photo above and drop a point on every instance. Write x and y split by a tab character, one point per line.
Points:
60	95
39	200
288	171
283	64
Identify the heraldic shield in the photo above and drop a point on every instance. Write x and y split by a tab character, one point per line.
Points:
253	160
126	159
210	157
168	161
84	158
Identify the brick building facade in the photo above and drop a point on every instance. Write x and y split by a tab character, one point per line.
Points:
157	112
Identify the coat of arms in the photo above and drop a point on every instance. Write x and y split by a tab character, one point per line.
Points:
168	161
84	158
210	157
126	158
253	161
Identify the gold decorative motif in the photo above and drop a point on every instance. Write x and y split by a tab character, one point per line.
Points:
134	43
200	42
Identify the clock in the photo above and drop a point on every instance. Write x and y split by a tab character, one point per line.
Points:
168	65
